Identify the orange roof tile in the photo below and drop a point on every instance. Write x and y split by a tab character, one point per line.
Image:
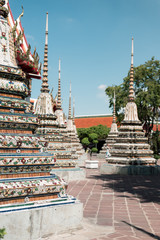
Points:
89	121
155	127
86	122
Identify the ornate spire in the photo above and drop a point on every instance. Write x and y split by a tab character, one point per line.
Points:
131	88
114	124
69	111
131	113
45	64
114	109
73	110
59	107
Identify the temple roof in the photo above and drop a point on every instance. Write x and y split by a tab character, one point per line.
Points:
30	65
93	120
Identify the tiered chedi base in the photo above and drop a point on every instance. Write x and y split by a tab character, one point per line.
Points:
75	143
66	159
131	147
21	161
30	189
67	141
111	139
58	144
73	138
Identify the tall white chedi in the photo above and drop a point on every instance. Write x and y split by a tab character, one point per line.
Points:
131	113
70	126
111	138
131	147
51	127
71	129
44	101
59	111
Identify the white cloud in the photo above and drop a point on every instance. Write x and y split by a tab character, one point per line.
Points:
101	91
102	87
70	20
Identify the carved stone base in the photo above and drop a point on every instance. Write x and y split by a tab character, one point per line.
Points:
43	220
129	170
91	164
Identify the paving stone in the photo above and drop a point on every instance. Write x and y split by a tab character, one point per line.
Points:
115	235
127	203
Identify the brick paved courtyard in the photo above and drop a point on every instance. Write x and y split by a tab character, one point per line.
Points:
128	204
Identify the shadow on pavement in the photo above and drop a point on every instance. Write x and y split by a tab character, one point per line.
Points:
142	230
146	188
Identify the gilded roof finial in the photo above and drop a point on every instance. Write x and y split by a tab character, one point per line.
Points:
131	88
21	15
45	64
59	87
69	111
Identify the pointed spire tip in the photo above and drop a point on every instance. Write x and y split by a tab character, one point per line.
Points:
132	52
59	103
44	87
131	88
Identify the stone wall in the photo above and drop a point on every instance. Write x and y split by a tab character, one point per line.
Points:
41	222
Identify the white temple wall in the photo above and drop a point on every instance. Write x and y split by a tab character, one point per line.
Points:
40	223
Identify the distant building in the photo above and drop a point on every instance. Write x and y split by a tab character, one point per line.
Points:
87	121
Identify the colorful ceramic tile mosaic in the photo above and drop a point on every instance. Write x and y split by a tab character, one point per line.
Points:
24	165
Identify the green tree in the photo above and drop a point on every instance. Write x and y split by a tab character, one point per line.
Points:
101	130
95	141
82	133
94	149
155	143
147	92
85	142
2	233
92	135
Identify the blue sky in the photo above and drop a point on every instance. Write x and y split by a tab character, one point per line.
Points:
93	40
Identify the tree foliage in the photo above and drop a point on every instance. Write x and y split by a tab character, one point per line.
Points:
94	150
147	93
85	141
92	135
2	233
101	132
156	143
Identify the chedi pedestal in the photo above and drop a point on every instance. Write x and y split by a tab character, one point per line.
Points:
131	147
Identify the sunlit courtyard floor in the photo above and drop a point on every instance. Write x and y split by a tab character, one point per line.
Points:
117	207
